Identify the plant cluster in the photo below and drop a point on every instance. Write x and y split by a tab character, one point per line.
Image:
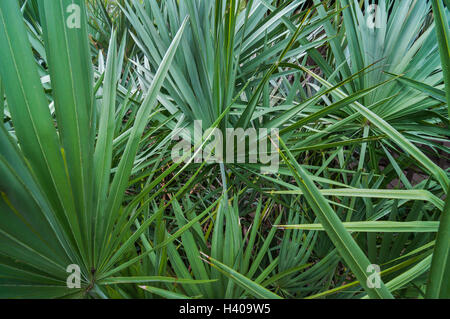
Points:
93	93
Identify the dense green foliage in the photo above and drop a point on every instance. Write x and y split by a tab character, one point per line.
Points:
360	101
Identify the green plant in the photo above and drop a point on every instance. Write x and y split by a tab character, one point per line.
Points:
359	99
60	204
